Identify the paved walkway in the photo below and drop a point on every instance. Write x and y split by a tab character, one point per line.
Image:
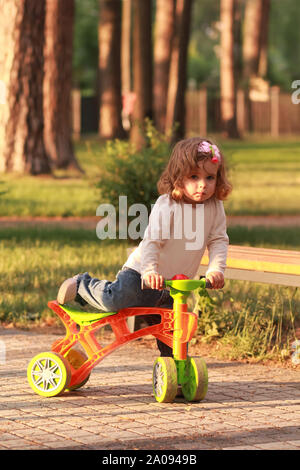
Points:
246	407
90	223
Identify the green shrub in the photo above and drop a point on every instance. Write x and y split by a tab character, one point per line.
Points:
134	172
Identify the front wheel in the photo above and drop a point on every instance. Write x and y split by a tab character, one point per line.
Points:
195	383
165	379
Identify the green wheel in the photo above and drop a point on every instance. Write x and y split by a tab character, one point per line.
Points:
164	379
76	359
48	374
194	386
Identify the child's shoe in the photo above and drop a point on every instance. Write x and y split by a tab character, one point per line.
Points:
67	291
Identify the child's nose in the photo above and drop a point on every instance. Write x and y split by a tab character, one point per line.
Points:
202	183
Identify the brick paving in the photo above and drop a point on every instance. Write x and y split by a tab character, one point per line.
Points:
247	407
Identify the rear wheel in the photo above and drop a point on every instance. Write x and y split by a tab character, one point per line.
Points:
76	359
48	374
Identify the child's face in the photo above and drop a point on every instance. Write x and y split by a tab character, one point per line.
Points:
200	184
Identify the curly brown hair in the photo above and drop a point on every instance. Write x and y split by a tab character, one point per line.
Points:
184	159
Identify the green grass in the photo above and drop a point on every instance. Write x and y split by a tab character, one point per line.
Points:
29	197
64	194
264	173
33	263
283	238
249	320
265	177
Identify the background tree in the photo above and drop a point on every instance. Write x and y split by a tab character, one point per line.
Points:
284	43
109	36
142	67
164	31
58	53
126	55
21	68
227	68
126	46
178	69
255	38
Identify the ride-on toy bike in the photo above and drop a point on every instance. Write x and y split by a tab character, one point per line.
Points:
67	368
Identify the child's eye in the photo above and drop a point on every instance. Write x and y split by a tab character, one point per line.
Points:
194	177
210	178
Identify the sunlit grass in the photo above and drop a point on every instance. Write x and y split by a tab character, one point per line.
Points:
34	262
250	320
264	173
284	238
265	177
66	193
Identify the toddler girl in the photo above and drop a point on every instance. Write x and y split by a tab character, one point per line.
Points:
194	179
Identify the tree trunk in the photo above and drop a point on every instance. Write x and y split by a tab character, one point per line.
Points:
58	83
164	31
126	47
126	64
142	69
21	68
178	70
109	36
255	38
227	68
263	55
254	47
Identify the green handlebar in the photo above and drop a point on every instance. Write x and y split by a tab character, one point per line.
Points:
187	285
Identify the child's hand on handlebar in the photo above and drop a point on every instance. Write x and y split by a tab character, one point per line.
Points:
216	278
154	281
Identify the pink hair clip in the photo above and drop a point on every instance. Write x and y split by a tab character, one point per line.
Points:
206	147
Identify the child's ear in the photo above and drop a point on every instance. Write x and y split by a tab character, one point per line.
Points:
177	194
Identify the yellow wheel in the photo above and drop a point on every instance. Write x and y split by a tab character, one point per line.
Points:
76	359
48	374
195	383
165	379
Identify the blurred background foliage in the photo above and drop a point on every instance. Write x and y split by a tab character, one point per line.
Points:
203	62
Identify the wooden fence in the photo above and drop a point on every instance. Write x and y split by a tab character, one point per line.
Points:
275	116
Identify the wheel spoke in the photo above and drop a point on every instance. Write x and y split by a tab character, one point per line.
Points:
52	382
38	373
40	365
55	376
37	382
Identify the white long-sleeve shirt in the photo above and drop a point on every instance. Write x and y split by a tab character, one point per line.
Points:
173	245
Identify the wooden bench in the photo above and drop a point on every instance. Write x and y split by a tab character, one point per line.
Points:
245	263
264	265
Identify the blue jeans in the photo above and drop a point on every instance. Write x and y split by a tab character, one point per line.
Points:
124	292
